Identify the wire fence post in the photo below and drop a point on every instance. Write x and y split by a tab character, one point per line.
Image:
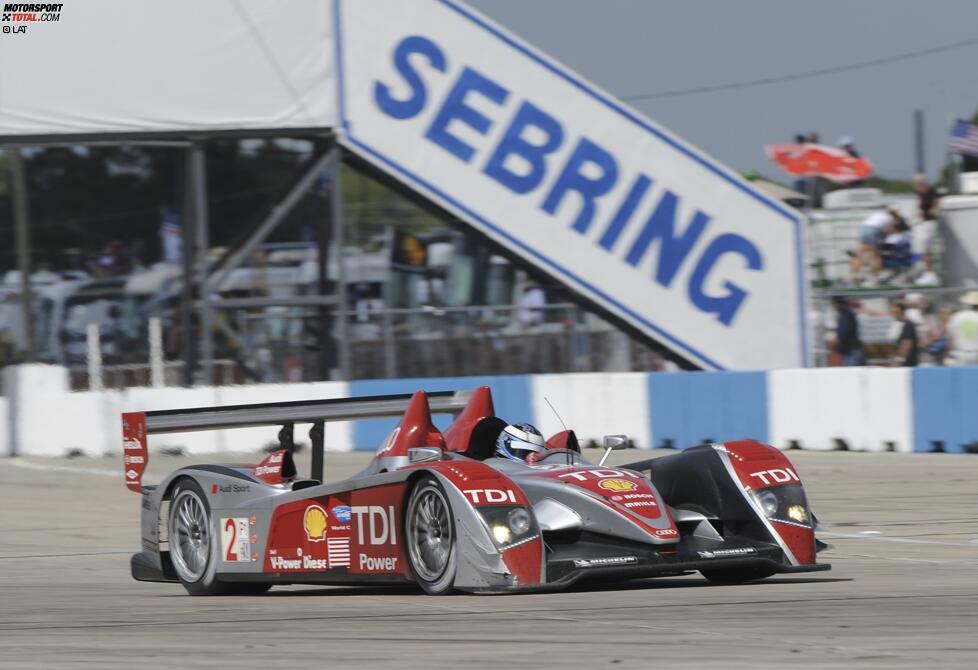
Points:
94	358
155	352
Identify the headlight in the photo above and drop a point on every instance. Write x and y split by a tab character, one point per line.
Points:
797	513
501	534
768	502
519	521
784	503
507	524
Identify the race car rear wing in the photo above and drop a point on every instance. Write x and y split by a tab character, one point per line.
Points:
137	426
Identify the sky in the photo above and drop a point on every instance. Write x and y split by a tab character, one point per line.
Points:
631	47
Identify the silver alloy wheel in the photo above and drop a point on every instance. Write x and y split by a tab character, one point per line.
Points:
190	538
430	540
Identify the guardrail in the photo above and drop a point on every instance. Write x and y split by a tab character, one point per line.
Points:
859	409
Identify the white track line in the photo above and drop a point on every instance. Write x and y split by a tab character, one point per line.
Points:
903	540
51	467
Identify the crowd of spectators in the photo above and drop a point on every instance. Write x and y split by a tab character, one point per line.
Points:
920	334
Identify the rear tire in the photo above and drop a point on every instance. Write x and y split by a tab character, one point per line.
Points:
194	549
429	532
737	575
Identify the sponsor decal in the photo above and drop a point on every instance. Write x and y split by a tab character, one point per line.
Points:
640	503
388	442
338	551
381	523
314	523
720	553
667	532
378	564
776	476
603	562
341	513
490	496
131	444
127	459
131	474
272	465
235	540
299	561
230	488
617	485
585	475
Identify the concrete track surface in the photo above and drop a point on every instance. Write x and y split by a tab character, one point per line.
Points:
903	591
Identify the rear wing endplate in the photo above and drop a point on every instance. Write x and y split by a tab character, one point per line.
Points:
137	426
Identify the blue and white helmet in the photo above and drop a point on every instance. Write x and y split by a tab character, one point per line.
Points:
518	441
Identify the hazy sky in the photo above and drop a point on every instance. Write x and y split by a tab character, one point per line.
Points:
647	46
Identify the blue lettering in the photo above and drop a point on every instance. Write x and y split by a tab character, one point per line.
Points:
572	179
673	249
513	144
410	107
624	213
726	306
454	108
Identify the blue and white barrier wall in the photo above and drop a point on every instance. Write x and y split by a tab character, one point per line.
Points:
866	409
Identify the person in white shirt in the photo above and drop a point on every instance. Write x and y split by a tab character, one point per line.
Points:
963	331
871	238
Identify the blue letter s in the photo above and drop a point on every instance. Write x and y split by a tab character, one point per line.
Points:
406	109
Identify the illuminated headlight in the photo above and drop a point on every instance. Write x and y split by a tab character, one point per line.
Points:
508	525
502	534
798	513
768	503
518	520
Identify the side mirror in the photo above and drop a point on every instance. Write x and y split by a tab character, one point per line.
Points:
613	443
424	454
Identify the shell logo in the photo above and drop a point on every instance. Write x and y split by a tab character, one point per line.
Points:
617	485
314	521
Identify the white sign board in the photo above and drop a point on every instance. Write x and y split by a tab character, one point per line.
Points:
108	66
559	172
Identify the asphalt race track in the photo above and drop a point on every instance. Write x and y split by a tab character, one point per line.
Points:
903	591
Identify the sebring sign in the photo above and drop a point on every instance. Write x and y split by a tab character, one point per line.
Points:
560	173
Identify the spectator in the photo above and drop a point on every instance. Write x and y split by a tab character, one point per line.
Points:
925	229
871	238
962	329
531	303
848	145
846	341
905	344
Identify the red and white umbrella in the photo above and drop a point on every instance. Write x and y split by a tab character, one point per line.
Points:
818	160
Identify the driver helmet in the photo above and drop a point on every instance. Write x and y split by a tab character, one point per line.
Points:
517	441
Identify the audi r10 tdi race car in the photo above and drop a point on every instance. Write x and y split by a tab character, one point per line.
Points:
442	510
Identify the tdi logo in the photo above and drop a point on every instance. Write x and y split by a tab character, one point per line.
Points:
776	476
381	522
490	496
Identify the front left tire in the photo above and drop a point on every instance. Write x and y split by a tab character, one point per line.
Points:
430	537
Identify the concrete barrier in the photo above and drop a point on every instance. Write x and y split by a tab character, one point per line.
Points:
870	409
867	409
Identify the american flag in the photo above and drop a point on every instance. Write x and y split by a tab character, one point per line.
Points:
964	138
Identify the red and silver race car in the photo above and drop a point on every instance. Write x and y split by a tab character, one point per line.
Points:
442	510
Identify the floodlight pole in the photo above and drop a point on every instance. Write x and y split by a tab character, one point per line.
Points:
198	175
23	235
336	195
